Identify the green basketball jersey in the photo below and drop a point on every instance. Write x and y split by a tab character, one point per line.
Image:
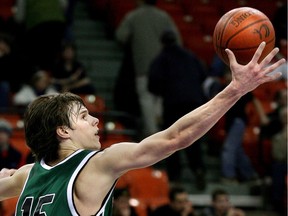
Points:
48	191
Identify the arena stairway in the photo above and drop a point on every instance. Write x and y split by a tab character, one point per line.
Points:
101	56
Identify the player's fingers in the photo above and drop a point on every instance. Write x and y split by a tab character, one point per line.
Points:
274	66
258	52
231	56
269	57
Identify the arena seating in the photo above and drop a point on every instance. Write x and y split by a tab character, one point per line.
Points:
149	186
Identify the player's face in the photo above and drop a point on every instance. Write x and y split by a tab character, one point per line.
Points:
84	129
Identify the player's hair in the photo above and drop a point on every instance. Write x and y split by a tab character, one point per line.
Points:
41	120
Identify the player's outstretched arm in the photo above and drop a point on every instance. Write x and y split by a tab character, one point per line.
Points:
195	124
12	181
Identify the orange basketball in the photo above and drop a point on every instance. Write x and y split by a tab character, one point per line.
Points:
242	30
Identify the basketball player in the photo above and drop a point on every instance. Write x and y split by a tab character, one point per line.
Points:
71	176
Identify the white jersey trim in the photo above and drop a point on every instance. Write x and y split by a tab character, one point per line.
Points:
47	167
71	183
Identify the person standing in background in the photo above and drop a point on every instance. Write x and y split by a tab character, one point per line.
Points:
142	28
45	24
273	128
279	166
236	166
176	76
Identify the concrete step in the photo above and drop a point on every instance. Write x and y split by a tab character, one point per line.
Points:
104	68
89	35
101	55
81	10
242	201
98	50
88	25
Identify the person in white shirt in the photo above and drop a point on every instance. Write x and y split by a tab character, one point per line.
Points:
40	83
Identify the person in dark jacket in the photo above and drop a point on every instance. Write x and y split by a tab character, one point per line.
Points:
176	75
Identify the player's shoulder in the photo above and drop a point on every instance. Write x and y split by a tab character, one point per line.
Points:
25	170
21	174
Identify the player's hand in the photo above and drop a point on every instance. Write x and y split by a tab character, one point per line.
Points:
7	172
246	78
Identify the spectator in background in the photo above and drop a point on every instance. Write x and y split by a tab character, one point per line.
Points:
44	30
221	206
176	76
6	69
236	166
272	123
179	204
39	84
121	203
9	156
125	97
69	73
279	166
274	130
141	29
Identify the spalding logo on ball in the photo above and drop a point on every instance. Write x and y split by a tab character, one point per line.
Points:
242	30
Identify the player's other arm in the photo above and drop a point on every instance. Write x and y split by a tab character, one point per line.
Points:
12	181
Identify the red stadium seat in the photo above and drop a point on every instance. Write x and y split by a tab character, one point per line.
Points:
6	9
94	103
202	46
171	7
148	185
9	206
250	144
113	132
268	91
18	141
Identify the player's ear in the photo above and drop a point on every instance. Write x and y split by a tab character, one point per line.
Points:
62	131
